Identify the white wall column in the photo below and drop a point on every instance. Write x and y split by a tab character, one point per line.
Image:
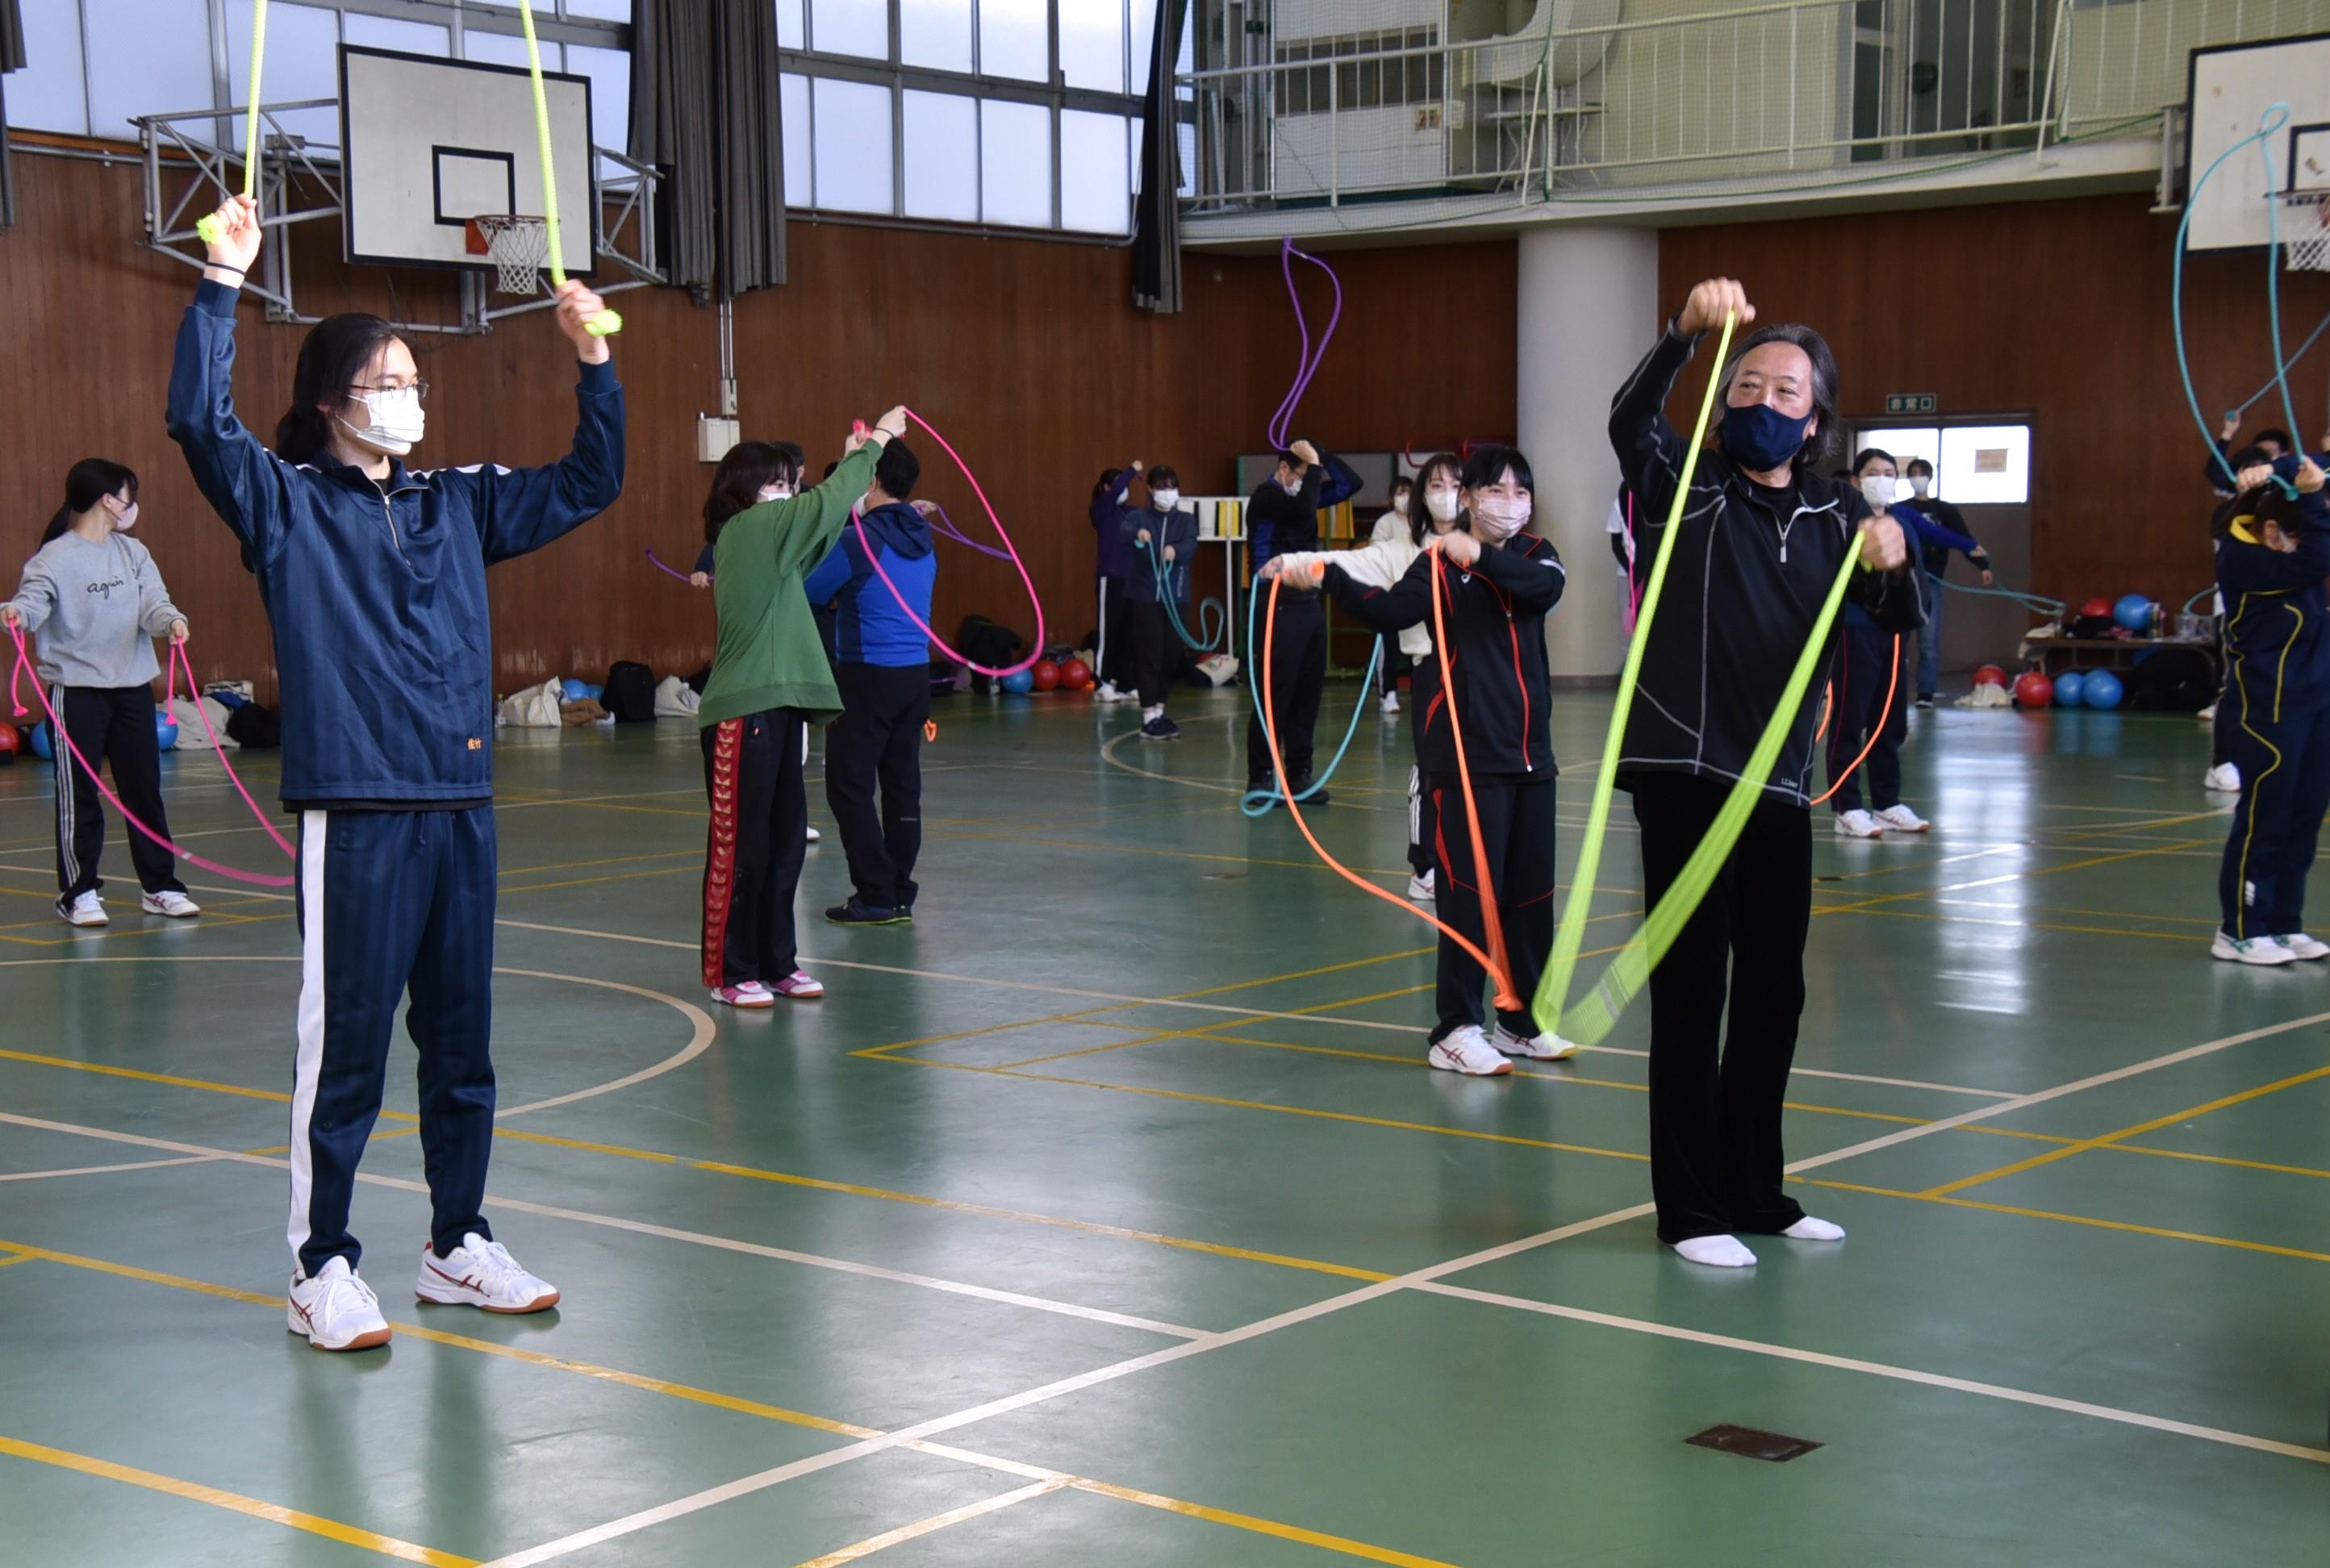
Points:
1588	312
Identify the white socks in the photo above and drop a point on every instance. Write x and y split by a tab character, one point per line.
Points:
1151	714
1725	1252
1809	1229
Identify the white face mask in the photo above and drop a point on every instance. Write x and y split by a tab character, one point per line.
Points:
776	493
126	519
396	420
1443	504
1400	504
1881	489
1292	487
1166	500
1498	518
1921	484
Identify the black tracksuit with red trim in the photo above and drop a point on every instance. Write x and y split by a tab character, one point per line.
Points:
1494	620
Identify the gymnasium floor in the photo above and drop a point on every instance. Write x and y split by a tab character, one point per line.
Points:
1108	1216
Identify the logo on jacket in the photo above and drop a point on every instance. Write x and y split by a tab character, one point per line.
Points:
105	590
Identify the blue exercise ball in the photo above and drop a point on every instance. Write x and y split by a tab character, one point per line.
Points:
166	731
573	689
40	746
2102	690
595	692
2133	611
2071	689
1019	683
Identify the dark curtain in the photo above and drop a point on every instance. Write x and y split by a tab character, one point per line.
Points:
1155	210
12	58
707	111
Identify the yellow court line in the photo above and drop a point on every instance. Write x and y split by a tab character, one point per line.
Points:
2141	1128
1092	1050
234	1502
2020	925
936	1522
2088	1220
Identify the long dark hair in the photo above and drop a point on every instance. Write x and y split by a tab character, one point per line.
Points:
748	468
1822	441
89	482
332	361
1419	515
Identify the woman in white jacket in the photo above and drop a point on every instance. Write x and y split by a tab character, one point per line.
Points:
1382	562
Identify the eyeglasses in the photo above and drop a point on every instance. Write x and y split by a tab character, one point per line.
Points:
419	389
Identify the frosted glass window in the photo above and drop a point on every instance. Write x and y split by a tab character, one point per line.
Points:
1015	39
1091	46
303	60
1015	162
50	93
935	33
1144	33
599	10
388	32
941	156
495	48
1985	465
789	24
852	146
793	94
1904	443
851	27
1095	172
609	70
145	58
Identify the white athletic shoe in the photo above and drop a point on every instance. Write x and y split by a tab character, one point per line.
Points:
1901	820
751	994
1390	703
1109	693
1467	1051
814	835
1420	888
2263	951
2207	715
2224	778
1858	823
176	906
85	910
481	1273
1546	1047
336	1310
2303	947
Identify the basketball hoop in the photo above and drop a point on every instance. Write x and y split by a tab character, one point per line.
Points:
2306	230
519	247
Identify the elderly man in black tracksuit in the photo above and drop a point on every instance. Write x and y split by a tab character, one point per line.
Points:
1282	516
1763	536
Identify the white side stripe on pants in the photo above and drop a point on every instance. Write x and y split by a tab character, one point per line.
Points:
68	814
309	1067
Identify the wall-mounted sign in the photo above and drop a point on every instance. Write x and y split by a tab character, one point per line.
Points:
1911	402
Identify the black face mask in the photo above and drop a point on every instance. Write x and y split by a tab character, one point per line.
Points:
1759	438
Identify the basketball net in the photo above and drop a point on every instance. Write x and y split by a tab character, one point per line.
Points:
518	245
2306	230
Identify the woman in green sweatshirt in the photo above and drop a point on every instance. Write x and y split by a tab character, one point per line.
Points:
770	679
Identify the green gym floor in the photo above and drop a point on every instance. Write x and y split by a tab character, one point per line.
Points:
1108	1215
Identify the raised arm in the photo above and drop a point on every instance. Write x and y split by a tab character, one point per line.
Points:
802	528
246	485
520	510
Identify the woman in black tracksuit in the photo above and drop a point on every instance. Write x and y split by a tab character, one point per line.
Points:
1497	583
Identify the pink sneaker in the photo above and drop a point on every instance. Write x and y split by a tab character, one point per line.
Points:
751	994
800	987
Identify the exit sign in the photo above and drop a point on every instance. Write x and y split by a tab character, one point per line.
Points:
1911	402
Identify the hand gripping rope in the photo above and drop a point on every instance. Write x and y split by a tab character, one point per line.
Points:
606	323
1258	802
1306	365
64	737
1211	612
207	225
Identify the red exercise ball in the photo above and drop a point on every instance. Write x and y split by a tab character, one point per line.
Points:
2095	609
1990	676
1075	675
1046	675
7	743
2034	690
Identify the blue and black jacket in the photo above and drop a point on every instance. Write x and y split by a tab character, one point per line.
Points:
1276	521
1922	535
1176	528
2277	621
870	628
376	591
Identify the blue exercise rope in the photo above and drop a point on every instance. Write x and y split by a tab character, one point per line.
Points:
2237	410
1261	802
1211	612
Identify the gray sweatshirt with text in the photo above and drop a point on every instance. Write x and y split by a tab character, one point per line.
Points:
97	608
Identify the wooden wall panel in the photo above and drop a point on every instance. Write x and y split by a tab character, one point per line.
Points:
2057	310
1027	353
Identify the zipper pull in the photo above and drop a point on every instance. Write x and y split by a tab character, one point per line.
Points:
1784	550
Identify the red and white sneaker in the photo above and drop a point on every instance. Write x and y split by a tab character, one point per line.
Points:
751	994
800	986
334	1309
481	1273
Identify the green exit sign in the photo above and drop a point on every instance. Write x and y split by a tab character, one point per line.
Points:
1911	402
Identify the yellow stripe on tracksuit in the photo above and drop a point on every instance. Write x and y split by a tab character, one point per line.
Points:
2252	786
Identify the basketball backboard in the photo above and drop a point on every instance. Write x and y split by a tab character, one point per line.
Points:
2229	88
430	143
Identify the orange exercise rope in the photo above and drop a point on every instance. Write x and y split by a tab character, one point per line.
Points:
1883	715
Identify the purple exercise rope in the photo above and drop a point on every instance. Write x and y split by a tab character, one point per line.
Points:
1281	428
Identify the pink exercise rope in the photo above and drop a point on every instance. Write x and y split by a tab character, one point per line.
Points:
866	545
1281	428
58	730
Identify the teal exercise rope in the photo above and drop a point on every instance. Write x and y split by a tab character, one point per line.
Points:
1260	802
1211	612
2275	116
2237	410
2037	603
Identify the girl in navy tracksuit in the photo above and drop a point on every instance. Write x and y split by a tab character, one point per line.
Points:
374	576
1163	539
2273	555
1497	585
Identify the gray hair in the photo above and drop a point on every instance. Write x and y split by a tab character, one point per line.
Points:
1823	441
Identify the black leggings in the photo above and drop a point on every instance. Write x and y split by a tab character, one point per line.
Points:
1298	678
1517	825
877	744
1864	661
757	842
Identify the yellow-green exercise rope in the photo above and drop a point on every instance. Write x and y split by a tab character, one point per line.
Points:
207	225
606	323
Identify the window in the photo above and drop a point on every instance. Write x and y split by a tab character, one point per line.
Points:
599	10
935	33
801	191
491	47
609	70
1092	44
1985	465
1015	164
50	93
1015	39
851	27
850	136
789	24
387	33
941	156
1904	444
1096	160
145	58
302	62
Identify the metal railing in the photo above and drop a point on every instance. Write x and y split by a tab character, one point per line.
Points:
1595	94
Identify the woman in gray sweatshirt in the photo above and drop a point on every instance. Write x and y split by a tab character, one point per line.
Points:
96	600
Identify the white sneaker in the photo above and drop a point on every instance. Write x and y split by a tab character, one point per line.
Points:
2303	947
1467	1051
1420	888
1546	1047
1391	703
1109	693
2262	951
2207	715
2225	779
814	835
751	994
1901	820
1858	823
85	910
481	1273
336	1310
178	906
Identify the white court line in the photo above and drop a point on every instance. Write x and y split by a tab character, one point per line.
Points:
678	1508
920	1527
35	1175
640	1227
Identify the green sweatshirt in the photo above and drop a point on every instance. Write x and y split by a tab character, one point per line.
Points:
770	655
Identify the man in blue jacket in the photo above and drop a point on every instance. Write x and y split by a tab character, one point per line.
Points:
1282	516
885	675
374	576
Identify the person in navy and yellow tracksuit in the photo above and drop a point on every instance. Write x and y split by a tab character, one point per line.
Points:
1498	584
2273	555
374	577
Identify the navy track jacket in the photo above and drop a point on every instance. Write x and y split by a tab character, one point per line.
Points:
376	592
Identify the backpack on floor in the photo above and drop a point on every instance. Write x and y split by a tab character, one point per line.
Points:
254	727
630	694
2172	680
985	642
